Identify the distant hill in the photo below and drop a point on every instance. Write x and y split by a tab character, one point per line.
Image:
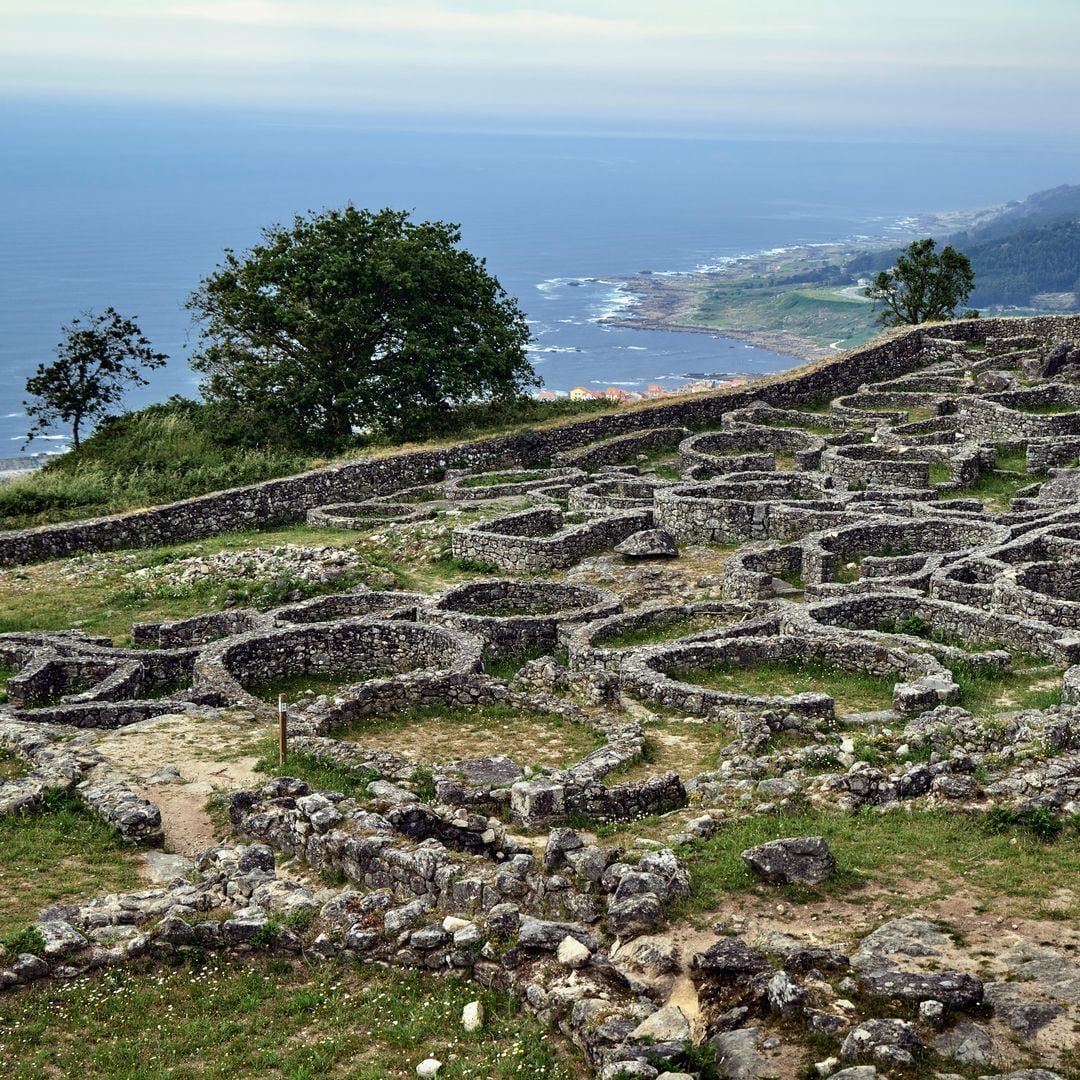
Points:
1043	208
1027	256
1030	267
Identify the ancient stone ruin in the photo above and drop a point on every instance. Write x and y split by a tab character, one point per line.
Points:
857	592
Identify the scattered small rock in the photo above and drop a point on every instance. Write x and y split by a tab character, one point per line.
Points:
472	1016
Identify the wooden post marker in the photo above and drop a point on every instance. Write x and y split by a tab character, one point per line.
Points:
283	731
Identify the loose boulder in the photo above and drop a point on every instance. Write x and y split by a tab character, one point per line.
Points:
649	544
800	860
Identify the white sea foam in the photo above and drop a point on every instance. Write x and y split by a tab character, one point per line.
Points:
615	382
618	302
551	284
13	415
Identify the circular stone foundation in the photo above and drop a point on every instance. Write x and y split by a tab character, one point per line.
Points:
669	675
380	605
606	643
495	485
615	493
355	649
516	618
364	515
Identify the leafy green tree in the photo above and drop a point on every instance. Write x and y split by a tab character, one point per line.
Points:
100	356
923	286
354	320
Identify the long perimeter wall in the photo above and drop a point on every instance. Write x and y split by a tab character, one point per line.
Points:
286	500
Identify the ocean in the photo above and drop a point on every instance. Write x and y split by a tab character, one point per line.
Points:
130	207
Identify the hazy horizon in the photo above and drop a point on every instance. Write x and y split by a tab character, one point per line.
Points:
692	68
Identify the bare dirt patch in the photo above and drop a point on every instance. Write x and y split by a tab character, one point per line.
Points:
212	753
530	739
687	746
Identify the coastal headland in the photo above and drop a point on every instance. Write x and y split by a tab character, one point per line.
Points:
801	300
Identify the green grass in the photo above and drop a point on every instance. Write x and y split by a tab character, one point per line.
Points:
495	479
321	775
853	691
939	473
440	734
809	427
181	449
317	683
793	578
12	766
162	453
425	496
678	745
506	667
917	626
820	407
1011	457
63	594
821	316
657	632
512	610
233	1017
5	674
891	850
61	852
95	594
995	489
984	692
664	459
849	567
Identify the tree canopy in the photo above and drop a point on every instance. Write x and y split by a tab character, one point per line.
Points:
100	356
923	286
357	320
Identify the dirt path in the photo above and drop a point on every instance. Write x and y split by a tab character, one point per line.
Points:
213	753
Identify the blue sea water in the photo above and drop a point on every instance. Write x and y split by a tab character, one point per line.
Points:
130	207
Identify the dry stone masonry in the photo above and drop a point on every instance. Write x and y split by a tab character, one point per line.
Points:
872	538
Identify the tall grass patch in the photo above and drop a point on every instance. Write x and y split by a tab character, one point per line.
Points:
229	1017
60	852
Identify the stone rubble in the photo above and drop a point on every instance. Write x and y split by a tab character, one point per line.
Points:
849	560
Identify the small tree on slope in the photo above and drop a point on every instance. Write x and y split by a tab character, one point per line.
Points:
100	356
923	286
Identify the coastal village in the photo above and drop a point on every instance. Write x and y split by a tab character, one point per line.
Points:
653	392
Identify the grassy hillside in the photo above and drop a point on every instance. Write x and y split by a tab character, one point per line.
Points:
181	449
1027	257
822	314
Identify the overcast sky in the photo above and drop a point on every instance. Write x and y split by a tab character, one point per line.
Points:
647	65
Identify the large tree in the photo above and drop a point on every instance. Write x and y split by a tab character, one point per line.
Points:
357	320
100	356
924	286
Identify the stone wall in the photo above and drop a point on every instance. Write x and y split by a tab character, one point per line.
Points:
356	649
279	502
515	618
533	541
